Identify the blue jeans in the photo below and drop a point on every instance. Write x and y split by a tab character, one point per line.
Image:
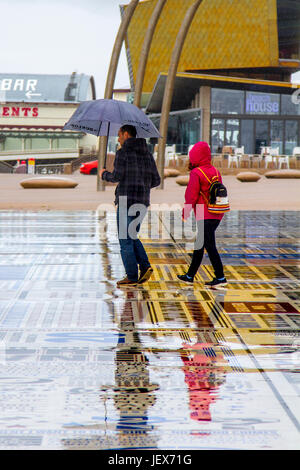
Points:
133	253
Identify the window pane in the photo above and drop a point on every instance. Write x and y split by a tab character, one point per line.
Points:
247	137
184	129
190	130
13	143
262	103
173	130
40	143
227	101
232	132
291	136
287	105
262	134
67	143
27	143
217	135
277	135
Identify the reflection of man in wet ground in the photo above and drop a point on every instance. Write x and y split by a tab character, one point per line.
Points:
133	392
136	173
132	395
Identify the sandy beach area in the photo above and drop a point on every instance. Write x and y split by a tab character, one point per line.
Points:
266	194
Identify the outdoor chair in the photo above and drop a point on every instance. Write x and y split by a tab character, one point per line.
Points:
217	160
265	151
170	154
256	160
239	151
296	151
274	151
244	161
269	158
227	150
283	160
233	159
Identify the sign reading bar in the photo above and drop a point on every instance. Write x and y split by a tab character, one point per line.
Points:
8	84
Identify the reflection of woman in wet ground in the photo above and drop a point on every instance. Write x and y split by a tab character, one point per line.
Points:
196	197
204	372
204	364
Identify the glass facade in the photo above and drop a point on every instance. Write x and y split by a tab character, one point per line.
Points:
217	135
227	101
184	129
291	135
288	18
51	88
247	132
254	102
289	105
224	132
261	134
232	132
277	135
261	119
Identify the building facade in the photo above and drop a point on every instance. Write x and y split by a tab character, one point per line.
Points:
33	111
233	85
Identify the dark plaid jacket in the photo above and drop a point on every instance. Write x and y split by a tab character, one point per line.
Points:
135	171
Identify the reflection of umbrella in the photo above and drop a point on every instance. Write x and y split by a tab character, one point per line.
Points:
105	117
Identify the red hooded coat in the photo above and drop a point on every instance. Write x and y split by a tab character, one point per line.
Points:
200	156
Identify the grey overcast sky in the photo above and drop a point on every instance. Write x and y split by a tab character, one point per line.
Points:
62	36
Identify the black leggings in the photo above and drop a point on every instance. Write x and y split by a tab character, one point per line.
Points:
206	229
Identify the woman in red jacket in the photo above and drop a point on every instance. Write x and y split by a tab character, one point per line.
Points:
196	197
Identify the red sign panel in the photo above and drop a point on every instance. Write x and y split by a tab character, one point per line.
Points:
19	111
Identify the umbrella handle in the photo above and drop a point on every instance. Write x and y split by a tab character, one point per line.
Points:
108	128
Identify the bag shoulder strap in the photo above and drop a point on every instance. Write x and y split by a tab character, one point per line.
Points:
204	174
210	181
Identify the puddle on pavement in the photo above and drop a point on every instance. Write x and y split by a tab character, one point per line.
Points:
84	365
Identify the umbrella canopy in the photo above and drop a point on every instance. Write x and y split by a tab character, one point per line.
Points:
105	117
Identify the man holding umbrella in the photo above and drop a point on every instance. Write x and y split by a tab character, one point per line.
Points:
135	171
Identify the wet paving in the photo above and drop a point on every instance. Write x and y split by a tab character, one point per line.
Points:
84	365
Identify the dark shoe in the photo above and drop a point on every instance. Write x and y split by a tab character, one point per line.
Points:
186	278
126	282
216	283
145	275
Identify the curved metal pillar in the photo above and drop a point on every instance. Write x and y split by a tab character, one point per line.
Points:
169	88
110	80
145	51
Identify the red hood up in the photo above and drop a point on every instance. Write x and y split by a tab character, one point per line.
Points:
200	154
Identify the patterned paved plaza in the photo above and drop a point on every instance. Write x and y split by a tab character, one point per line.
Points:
84	365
